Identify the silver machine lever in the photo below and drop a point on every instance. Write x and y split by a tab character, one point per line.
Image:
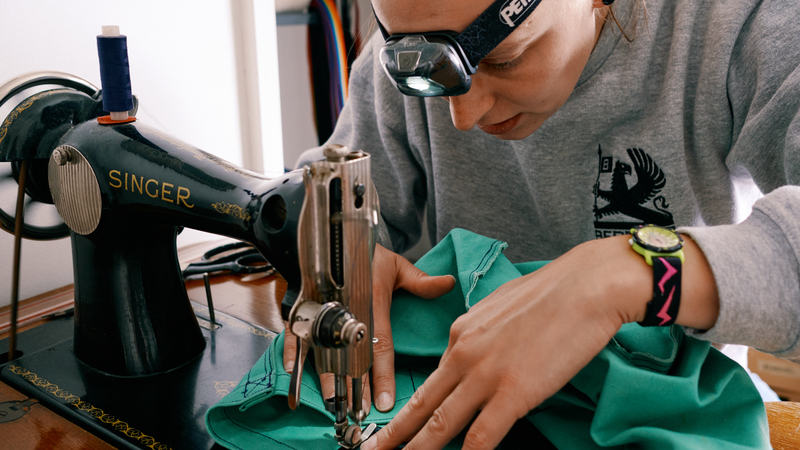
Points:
297	374
332	315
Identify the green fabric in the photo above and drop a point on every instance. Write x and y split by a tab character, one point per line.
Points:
660	389
256	413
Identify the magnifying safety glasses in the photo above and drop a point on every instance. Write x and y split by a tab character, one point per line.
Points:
440	63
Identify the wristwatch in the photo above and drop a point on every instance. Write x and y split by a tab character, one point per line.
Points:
662	248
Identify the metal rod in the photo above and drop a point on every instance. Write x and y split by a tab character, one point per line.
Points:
208	297
18	220
340	386
340	389
358	398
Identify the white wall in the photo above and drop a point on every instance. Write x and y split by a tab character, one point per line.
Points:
189	70
297	110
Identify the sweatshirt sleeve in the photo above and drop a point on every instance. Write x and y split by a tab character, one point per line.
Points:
756	268
755	263
374	120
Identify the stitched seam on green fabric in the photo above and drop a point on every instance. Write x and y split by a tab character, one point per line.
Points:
483	266
677	339
641	359
270	372
413	385
303	396
303	383
267	371
224	410
306	386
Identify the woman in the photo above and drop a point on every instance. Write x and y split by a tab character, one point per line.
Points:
584	121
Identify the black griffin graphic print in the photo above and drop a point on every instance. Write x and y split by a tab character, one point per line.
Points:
620	206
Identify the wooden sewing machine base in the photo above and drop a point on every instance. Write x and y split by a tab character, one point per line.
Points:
167	411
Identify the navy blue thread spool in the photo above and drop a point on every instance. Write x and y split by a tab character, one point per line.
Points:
112	50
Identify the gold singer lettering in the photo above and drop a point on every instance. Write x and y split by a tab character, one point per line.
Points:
165	192
151	187
134	183
147	185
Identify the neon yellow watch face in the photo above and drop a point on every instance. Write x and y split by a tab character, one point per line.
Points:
658	237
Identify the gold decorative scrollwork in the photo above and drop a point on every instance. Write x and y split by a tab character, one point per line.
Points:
246	326
232	210
224	387
97	413
21	107
237	323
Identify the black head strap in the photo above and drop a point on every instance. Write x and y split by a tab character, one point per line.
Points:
489	29
493	26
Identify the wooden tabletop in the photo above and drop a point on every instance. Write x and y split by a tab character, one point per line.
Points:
40	428
253	298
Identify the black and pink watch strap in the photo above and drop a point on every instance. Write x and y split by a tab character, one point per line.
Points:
663	308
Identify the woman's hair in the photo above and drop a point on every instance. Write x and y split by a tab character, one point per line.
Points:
633	23
372	26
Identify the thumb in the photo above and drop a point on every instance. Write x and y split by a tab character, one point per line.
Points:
417	282
289	349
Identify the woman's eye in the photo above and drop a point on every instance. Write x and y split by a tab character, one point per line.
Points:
505	66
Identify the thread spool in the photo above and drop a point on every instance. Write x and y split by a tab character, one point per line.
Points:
112	50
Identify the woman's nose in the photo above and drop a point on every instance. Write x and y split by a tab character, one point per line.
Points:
467	109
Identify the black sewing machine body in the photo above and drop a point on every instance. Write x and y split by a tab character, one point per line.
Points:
137	368
127	189
127	267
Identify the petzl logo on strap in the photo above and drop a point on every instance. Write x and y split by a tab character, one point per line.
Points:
512	11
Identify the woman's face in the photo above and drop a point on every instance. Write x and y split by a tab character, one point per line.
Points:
526	78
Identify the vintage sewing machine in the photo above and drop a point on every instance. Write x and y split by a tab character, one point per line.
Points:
139	365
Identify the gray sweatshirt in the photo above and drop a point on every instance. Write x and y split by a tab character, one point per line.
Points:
685	126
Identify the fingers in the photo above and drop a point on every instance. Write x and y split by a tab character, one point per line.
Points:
384	277
383	366
391	272
417	282
433	427
423	405
448	420
289	349
383	354
367	393
493	423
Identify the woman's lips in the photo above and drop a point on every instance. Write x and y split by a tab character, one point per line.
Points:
502	127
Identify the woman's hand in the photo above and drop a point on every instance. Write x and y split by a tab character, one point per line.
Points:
390	272
524	342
